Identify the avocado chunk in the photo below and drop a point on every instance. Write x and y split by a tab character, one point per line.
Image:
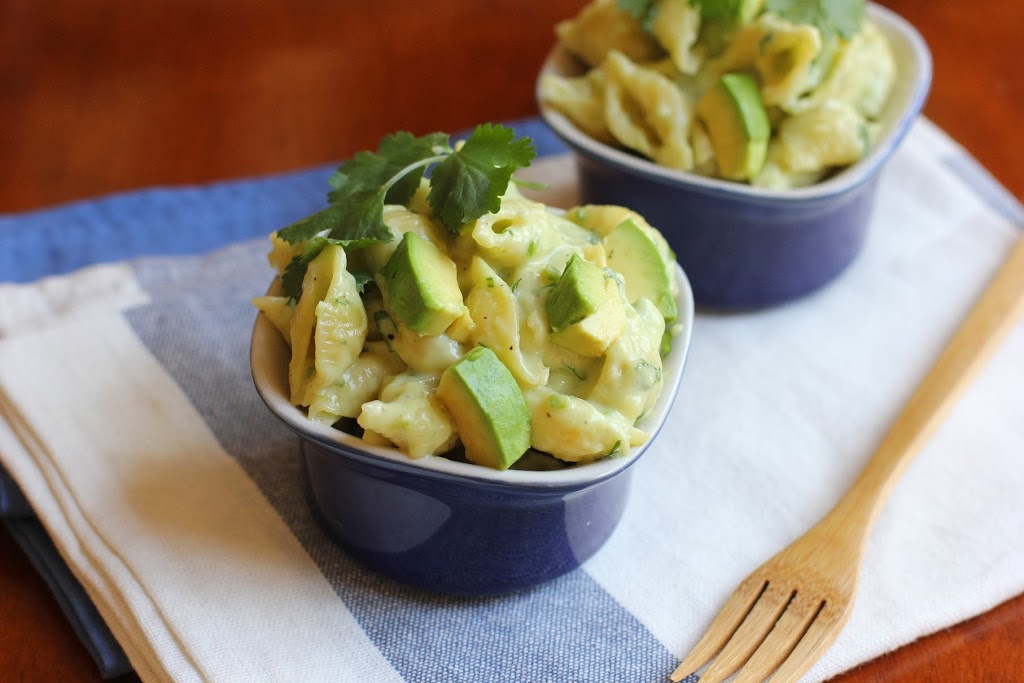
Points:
579	292
592	335
647	267
737	125
421	286
487	407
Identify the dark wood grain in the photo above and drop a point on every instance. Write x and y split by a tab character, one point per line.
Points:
110	95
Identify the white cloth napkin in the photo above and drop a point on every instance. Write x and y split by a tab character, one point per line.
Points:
130	423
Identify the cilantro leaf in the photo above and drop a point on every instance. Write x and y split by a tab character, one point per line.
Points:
831	17
362	220
310	226
471	181
363	171
357	222
404	149
362	279
396	152
295	271
641	10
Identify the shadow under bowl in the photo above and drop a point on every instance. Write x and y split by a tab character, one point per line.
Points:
744	247
452	527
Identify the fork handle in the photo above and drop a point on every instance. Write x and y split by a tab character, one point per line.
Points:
1000	305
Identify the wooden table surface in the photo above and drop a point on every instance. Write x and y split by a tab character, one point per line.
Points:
110	95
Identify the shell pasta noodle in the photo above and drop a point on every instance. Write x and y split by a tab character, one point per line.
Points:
526	328
752	91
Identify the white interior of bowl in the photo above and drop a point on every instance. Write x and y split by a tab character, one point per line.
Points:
269	356
914	69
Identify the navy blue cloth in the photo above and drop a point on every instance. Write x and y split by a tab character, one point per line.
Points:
12	503
87	623
182	220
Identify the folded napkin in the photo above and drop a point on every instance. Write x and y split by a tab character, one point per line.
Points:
129	422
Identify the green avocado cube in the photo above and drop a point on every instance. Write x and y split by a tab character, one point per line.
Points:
487	407
737	125
578	293
645	263
592	335
421	286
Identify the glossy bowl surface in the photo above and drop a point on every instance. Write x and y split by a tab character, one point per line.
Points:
744	247
455	527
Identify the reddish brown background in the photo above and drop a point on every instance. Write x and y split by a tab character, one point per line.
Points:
105	95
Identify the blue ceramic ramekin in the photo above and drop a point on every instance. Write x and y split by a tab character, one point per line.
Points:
745	247
448	535
454	527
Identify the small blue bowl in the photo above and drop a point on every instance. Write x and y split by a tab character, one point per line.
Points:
744	247
453	527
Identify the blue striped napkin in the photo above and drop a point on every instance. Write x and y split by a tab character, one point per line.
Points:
176	500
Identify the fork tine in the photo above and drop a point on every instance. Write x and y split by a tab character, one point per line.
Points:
722	627
751	633
788	631
819	635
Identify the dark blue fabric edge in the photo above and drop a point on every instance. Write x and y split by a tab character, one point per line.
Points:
81	614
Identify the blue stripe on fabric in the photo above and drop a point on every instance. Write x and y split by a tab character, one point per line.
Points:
187	220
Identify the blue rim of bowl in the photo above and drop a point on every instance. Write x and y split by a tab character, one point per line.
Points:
271	385
892	25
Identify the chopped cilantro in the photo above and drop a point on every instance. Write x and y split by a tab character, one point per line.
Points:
581	376
558	401
651	368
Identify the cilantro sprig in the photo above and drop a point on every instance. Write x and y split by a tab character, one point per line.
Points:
466	183
831	17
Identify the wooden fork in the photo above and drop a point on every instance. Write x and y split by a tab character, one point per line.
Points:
785	615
